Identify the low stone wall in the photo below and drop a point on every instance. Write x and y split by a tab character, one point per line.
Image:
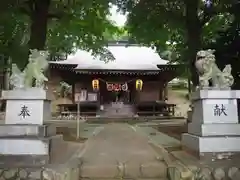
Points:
179	171
63	173
22	173
186	166
25	173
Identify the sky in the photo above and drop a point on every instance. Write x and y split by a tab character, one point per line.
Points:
117	17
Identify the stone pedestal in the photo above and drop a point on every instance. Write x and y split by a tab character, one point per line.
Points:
214	127
24	139
27	106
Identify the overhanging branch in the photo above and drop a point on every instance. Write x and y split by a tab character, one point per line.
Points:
210	12
172	15
157	7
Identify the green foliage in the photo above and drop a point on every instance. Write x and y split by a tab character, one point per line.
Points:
155	22
83	27
118	34
227	47
14	34
218	23
71	25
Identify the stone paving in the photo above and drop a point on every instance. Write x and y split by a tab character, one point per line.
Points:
119	151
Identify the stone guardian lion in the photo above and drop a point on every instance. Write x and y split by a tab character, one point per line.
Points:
34	71
208	70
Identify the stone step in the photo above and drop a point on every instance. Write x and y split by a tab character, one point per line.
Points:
124	110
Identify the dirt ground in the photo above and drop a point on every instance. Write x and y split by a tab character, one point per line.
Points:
69	134
173	131
178	97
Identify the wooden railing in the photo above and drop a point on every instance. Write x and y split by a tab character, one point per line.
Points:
152	108
155	109
86	109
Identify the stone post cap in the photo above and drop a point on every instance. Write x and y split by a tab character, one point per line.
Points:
26	93
215	94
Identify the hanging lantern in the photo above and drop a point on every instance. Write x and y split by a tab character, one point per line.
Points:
139	84
95	84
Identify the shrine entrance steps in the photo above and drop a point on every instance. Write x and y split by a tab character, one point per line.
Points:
117	109
118	151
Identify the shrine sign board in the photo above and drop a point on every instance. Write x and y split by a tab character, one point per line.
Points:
80	97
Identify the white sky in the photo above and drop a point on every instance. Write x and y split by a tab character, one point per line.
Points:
117	17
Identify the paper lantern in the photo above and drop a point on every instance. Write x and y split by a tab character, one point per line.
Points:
139	84
95	84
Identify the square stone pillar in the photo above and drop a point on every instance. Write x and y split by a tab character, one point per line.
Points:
24	138
214	127
27	106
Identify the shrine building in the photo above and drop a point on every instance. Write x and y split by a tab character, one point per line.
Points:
134	84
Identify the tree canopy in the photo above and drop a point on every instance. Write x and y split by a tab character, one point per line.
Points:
176	28
186	26
227	46
57	25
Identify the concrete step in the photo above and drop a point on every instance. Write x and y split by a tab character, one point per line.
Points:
117	110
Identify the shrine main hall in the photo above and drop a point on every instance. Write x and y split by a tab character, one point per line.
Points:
135	83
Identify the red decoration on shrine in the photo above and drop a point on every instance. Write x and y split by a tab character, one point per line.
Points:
117	87
109	86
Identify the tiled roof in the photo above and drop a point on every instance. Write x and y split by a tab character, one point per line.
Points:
126	58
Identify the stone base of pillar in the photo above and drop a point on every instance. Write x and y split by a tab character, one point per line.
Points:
27	144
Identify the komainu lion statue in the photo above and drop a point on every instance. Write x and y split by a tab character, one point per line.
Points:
208	70
34	71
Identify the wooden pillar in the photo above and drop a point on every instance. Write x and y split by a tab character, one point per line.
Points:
73	92
161	92
165	91
161	88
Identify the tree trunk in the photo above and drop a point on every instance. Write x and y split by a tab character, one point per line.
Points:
194	31
39	20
